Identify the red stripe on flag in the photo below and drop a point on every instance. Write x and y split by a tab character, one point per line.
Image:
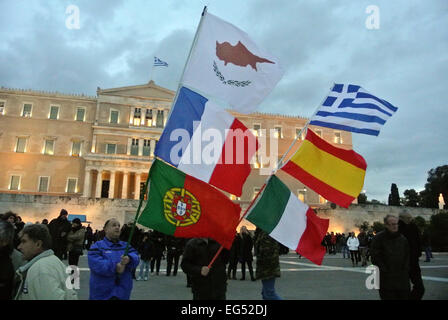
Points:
327	191
240	145
219	215
349	156
310	243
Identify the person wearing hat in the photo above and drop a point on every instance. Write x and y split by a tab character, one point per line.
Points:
75	242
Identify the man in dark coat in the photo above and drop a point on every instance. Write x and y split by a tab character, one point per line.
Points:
59	229
206	283
390	253
174	249
233	257
246	253
410	230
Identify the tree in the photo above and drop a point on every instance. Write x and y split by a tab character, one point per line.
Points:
363	226
378	226
394	196
362	198
411	198
439	231
421	223
437	183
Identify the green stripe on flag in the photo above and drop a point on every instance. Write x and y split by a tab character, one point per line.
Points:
162	178
270	207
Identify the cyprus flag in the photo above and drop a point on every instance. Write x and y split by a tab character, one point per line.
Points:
226	64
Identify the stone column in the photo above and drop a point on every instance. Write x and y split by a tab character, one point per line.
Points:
143	117
112	184
153	147
128	151
140	147
93	148
124	189
131	116
154	117
137	186
99	181
165	117
86	190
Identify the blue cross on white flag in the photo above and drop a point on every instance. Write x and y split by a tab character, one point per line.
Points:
159	63
351	108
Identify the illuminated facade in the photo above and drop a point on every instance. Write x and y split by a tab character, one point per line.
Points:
102	147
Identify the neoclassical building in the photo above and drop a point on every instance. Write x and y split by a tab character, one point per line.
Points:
102	146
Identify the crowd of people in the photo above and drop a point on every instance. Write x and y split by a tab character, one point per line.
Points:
31	256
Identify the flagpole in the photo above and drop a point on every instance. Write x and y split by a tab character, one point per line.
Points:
193	45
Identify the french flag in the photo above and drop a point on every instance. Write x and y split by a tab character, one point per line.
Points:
206	142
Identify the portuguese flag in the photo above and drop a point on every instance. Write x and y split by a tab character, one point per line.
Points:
289	221
186	207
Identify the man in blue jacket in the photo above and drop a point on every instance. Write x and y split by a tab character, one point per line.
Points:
110	270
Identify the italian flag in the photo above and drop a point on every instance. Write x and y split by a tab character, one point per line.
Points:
185	207
289	221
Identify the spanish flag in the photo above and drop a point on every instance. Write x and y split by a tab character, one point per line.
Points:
335	173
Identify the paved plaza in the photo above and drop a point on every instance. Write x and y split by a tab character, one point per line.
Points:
300	279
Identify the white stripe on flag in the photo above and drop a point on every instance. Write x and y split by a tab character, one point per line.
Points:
204	150
349	122
292	224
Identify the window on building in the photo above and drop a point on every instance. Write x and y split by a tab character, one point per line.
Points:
160	118
322	200
146	147
43	184
257	130
71	185
49	147
301	195
299	132
111	148
256	191
14	183
337	138
27	108
114	116
278	132
80	114
54	113
21	144
137	116
134	147
76	148
2	108
148	117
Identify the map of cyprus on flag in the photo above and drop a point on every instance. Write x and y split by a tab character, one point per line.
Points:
226	64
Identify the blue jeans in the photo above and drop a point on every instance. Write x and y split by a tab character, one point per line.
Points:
428	253
144	265
268	290
345	251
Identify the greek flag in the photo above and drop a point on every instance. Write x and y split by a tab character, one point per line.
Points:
351	108
159	63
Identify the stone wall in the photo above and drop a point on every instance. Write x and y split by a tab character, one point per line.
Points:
34	208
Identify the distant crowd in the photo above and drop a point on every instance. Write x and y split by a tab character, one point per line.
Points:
31	256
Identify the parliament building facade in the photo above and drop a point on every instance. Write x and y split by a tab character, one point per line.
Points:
97	147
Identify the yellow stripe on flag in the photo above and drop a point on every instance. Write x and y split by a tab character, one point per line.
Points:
329	169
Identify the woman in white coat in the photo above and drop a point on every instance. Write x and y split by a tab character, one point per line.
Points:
353	244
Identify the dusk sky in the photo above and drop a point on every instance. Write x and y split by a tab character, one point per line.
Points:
404	61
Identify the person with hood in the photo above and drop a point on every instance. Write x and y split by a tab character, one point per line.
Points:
390	253
44	276
268	263
411	232
59	228
75	242
206	283
111	270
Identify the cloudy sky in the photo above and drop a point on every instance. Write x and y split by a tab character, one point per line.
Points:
404	61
